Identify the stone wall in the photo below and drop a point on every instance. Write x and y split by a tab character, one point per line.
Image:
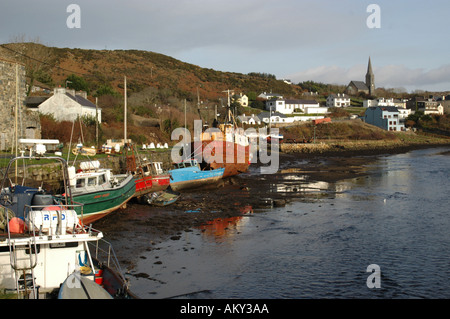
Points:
49	175
28	122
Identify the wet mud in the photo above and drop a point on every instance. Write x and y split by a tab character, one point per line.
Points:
139	227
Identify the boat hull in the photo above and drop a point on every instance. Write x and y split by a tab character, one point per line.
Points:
98	204
160	182
234	157
150	184
193	177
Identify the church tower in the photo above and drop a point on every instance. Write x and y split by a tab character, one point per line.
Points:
370	79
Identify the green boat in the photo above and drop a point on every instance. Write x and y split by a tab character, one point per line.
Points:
100	191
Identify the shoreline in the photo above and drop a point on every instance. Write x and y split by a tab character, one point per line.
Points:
138	228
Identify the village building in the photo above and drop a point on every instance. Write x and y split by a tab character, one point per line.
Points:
242	99
275	117
385	102
430	106
385	117
295	106
367	87
67	105
249	119
270	96
338	100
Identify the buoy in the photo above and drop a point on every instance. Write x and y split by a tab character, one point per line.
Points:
17	225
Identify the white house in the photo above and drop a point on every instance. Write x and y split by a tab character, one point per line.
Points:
249	119
384	102
279	118
275	118
403	113
295	106
430	106
269	96
338	100
67	105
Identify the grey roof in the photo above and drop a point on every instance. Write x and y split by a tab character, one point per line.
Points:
267	115
384	108
35	101
360	85
81	100
300	102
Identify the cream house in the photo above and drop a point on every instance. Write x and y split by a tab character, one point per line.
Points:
242	99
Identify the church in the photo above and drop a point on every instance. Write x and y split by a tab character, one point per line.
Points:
368	87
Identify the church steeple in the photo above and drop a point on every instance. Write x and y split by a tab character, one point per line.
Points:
370	79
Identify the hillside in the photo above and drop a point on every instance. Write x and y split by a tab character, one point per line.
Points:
157	85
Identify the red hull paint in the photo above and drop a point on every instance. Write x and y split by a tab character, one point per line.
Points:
160	182
150	184
234	157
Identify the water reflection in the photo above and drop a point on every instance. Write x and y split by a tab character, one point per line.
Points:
222	229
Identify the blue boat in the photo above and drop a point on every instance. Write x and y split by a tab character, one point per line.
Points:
188	174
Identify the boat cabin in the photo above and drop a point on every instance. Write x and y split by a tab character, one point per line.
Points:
82	180
186	163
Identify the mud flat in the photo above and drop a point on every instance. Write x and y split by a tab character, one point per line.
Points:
140	227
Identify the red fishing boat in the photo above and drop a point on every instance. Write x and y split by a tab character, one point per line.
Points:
225	145
148	176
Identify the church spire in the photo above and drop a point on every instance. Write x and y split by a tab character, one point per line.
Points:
370	79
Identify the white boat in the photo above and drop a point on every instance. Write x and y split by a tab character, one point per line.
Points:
44	246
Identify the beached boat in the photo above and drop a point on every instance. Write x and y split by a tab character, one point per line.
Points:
44	245
82	150
148	177
188	174
163	198
224	145
100	191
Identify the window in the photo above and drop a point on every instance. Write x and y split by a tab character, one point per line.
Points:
81	182
102	179
92	181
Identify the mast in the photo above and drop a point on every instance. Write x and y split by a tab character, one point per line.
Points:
125	111
16	137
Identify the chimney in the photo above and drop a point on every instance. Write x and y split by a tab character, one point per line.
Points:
82	94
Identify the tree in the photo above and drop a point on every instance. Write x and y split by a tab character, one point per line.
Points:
258	104
106	90
77	83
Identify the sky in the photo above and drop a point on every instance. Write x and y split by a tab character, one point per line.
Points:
326	41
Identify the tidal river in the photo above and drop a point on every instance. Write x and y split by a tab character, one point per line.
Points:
396	218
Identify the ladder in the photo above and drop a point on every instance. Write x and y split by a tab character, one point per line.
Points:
23	261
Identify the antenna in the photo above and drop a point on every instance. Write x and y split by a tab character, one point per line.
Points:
39	144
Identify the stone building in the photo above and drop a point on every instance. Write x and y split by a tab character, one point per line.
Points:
368	87
12	93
